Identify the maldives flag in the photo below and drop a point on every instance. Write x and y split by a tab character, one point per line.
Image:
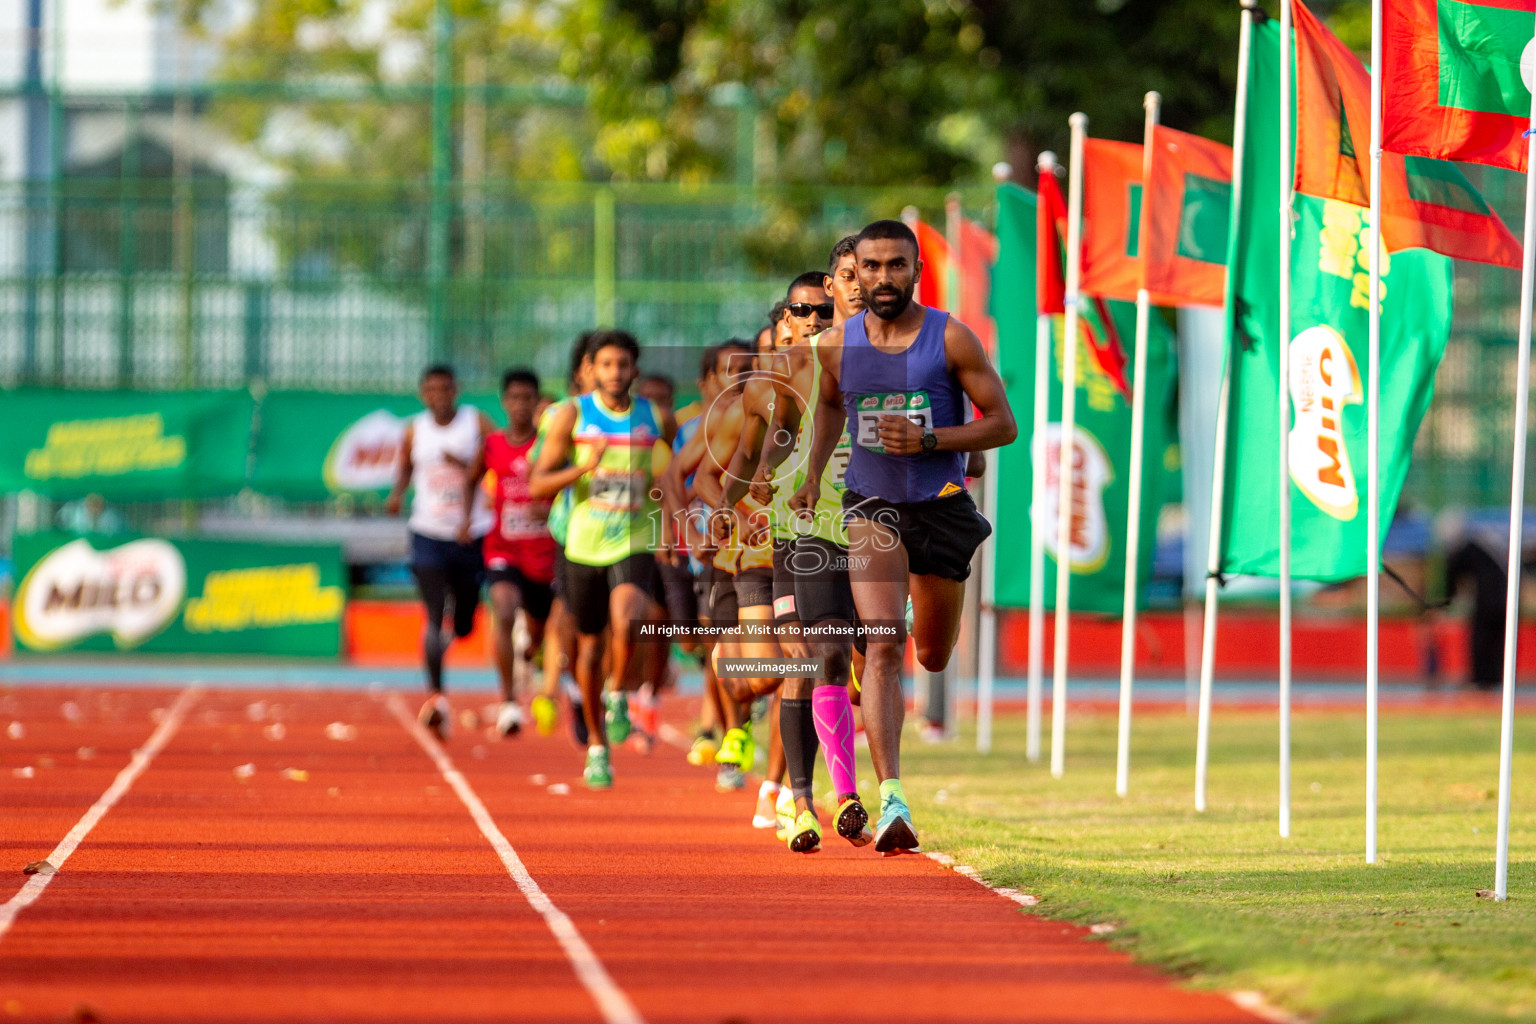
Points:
1111	218
1188	214
1426	204
978	251
1456	79
933	250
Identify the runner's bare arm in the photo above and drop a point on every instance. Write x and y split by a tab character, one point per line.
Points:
674	489
403	472
993	426
723	436
749	445
830	420
553	472
472	477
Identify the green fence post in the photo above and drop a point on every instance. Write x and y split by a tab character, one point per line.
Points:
128	214
442	177
604	257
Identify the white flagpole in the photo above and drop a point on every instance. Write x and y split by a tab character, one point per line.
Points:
1516	509
1373	452
1079	123
1138	437
1287	157
1046	165
1219	470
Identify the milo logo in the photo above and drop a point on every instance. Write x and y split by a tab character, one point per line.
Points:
131	592
895	402
1324	379
364	456
917	401
869	402
1092	473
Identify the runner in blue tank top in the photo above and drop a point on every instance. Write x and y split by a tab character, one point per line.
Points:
900	376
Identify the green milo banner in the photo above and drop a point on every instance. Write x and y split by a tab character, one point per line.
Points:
177	596
1102	436
315	445
1328	368
124	445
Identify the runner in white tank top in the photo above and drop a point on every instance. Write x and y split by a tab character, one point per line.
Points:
440	455
439	447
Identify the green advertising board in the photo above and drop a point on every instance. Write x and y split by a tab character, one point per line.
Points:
177	596
124	445
315	445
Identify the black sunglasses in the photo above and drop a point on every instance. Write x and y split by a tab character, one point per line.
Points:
805	309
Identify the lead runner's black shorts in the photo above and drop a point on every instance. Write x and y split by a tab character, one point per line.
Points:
682	603
941	536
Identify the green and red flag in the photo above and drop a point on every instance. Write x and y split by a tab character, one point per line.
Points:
1188	208
1456	79
1111	219
1426	203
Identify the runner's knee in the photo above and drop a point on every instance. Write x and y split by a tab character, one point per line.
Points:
933	657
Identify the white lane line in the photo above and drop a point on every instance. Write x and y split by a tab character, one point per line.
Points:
611	1000
141	757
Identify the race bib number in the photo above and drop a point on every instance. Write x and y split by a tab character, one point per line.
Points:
518	521
914	405
617	490
444	489
837	465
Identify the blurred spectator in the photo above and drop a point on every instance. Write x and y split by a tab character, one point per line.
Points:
1476	556
90	515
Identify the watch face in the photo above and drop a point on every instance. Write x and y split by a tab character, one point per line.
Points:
930	441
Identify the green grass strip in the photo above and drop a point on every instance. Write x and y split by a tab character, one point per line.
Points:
1221	901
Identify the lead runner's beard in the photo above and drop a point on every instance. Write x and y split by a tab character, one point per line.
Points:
889	303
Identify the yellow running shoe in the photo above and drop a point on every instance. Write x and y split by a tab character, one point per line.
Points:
703	751
805	837
784	812
545	714
738	749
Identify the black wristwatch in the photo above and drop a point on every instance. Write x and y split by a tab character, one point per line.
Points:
930	440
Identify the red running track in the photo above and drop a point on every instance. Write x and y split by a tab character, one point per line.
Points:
364	890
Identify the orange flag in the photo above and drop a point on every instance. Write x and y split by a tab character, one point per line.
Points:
933	250
1188	208
978	251
1425	204
1111	218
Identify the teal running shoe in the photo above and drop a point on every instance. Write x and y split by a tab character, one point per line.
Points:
895	834
617	704
598	773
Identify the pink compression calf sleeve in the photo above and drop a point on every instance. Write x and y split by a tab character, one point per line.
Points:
833	714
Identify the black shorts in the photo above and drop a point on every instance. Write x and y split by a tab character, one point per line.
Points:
558	586
588	587
822	591
704	590
941	536
681	600
723	609
784	581
754	587
534	597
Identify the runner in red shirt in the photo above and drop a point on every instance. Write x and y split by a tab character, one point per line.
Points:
519	551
